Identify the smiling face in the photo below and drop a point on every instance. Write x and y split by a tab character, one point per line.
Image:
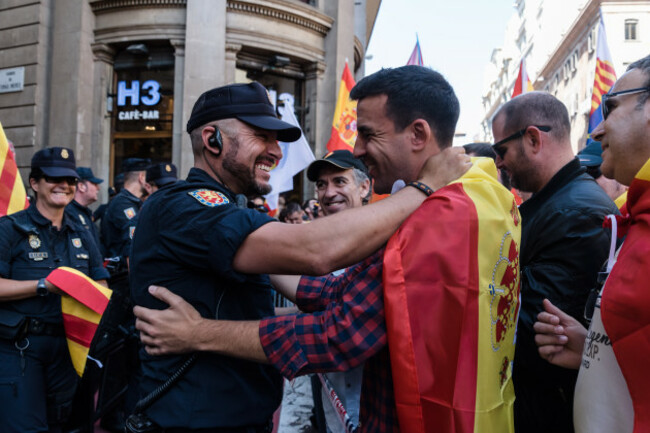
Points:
53	195
624	135
338	189
380	146
250	153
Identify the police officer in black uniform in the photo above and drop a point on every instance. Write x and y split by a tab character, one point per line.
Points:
160	175
37	379
187	236
86	194
118	223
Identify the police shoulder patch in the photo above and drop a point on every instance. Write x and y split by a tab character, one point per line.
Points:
209	198
130	213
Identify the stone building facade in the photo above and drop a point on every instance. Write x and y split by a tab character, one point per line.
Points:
113	79
558	41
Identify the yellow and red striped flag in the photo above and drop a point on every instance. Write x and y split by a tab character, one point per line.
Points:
82	310
344	124
523	84
604	78
12	191
451	293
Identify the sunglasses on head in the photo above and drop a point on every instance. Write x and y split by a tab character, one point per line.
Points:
605	106
498	146
67	179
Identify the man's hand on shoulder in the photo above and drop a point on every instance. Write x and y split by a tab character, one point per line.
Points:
445	167
173	330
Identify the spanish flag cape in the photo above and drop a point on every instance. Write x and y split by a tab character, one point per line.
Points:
625	303
451	293
82	310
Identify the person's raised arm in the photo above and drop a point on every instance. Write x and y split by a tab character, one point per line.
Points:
286	284
559	337
340	240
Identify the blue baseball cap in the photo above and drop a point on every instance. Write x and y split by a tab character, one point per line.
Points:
590	156
86	173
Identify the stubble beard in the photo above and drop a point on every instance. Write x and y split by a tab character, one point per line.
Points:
245	174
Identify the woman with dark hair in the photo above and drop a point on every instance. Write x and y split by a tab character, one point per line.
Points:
37	379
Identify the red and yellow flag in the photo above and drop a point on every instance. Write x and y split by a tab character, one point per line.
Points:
12	191
523	84
451	293
626	300
344	124
82	310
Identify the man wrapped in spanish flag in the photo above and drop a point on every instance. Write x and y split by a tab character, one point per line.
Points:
432	314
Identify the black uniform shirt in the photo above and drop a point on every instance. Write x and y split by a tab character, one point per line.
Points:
30	248
83	216
118	224
187	236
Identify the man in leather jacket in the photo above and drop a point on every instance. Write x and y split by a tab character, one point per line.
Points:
563	245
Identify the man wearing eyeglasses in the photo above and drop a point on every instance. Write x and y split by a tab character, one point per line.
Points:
612	389
563	245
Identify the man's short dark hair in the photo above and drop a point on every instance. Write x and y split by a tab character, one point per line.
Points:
536	108
480	149
414	92
644	65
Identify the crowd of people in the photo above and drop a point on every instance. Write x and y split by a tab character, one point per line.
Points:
501	293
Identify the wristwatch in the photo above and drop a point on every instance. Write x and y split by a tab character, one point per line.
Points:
41	288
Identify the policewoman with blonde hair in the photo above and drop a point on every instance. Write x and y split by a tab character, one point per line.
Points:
37	379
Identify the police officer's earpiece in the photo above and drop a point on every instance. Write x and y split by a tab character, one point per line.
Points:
215	141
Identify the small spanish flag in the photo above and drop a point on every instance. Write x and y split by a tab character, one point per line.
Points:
82	310
344	124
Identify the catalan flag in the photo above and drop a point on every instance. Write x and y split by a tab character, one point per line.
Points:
523	84
604	79
12	191
451	293
416	55
82	310
344	124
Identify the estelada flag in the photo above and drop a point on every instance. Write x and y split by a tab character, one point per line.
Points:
523	84
12	191
626	300
604	78
82	311
451	293
344	124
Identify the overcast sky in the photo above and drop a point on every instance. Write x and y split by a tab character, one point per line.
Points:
456	38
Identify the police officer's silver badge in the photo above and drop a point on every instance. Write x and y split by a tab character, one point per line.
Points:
76	242
34	241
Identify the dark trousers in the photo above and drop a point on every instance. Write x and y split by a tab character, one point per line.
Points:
37	388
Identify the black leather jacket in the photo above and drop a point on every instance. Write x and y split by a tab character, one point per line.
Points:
563	246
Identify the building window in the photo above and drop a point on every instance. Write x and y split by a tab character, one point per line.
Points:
630	29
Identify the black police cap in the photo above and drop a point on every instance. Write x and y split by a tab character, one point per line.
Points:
162	174
135	164
249	103
55	162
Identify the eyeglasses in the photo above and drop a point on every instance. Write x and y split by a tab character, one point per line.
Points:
605	105
69	180
498	146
